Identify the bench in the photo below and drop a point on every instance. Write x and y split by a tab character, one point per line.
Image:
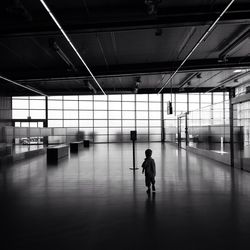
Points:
76	146
55	153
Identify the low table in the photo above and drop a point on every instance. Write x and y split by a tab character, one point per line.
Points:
55	153
76	146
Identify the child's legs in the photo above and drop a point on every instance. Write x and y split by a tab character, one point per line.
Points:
152	180
147	181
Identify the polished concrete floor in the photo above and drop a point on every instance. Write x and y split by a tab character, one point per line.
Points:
94	201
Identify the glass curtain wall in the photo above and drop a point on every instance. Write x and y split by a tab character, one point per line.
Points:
242	131
209	126
111	118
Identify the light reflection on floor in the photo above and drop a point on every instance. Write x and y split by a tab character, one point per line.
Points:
92	200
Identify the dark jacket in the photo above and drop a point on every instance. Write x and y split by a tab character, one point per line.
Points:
148	167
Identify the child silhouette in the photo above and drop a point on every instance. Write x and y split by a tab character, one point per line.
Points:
148	167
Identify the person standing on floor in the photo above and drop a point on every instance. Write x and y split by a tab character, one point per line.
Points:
148	167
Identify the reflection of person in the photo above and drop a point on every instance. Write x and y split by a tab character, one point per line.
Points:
148	166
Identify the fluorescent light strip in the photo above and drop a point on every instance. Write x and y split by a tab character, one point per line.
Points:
23	86
197	44
71	44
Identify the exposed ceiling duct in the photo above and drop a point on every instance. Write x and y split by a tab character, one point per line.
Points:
62	55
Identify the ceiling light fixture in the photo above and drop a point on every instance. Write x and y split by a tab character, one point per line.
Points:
23	86
197	44
71	44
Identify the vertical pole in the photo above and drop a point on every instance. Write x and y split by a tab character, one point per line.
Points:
162	120
231	118
133	155
45	124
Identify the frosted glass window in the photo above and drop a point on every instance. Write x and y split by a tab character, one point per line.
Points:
20	114
216	115
70	105
128	123
101	138
154	98
167	97
181	97
114	114
37	104
141	115
115	123
193	106
55	114
40	125
87	105
37	97
206	98
143	97
25	124
37	114
114	130
86	114
128	115
128	105
141	106
86	131
55	98
70	123
100	105
154	106
154	137
115	106
155	123
86	97
70	97
54	104
55	123
21	97
142	130
100	114
128	97
86	123
142	123
100	123
20	104
205	115
101	131
181	107
100	97
218	97
114	97
70	114
194	97
155	130
126	130
155	115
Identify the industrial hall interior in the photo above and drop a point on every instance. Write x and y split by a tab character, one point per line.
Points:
125	124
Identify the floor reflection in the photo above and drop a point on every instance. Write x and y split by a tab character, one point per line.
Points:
93	200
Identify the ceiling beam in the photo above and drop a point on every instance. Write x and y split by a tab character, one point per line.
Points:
129	69
121	22
61	91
